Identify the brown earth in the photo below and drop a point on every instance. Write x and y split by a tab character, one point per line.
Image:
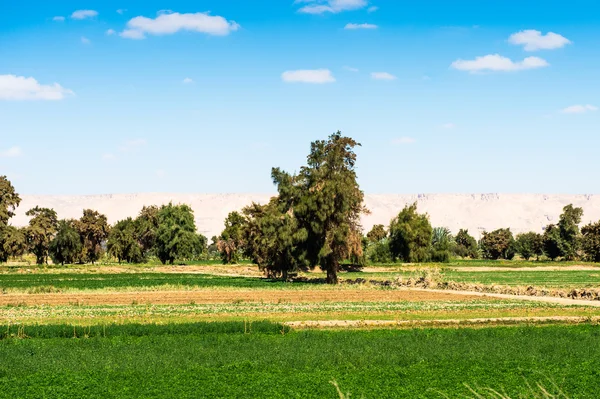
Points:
216	296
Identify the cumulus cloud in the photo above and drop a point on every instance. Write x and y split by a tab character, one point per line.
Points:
12	152
121	11
14	87
84	14
58	18
85	40
496	63
403	140
579	109
332	6
382	76
132	145
188	81
110	32
168	23
308	76
360	26
533	40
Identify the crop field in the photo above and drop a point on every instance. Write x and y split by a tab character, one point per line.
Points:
224	331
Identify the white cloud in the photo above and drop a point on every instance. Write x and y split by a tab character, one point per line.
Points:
121	11
170	23
132	145
403	140
579	109
188	81
83	14
12	152
372	9
349	68
332	6
382	76
308	76
533	40
448	125
58	18
160	173
360	26
85	40
14	87
110	32
496	62
108	156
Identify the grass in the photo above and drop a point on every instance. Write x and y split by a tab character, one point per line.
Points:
550	279
419	363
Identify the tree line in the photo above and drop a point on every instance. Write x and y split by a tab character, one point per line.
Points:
314	220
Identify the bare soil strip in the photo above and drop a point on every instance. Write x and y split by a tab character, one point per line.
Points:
216	296
438	323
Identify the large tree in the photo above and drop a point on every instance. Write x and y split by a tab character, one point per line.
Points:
327	202
529	244
66	246
146	226
497	244
176	238
9	201
568	225
410	235
123	242
552	241
441	243
231	240
13	243
466	245
93	229
590	241
42	228
377	233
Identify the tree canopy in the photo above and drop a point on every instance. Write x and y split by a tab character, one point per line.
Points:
410	235
93	229
9	200
176	237
66	246
42	228
497	244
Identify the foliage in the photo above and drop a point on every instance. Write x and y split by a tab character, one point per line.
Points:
529	244
327	203
379	252
9	201
590	241
66	246
568	225
146	228
377	233
552	242
176	237
410	236
497	244
123	242
441	244
231	240
466	245
93	229
42	228
13	243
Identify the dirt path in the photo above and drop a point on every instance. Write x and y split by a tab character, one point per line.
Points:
216	296
545	299
437	323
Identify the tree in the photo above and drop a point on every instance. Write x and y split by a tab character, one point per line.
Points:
176	238
552	242
13	243
146	228
410	235
230	242
466	245
9	201
123	242
441	242
42	228
590	241
327	202
66	246
568	225
93	229
377	233
497	244
529	244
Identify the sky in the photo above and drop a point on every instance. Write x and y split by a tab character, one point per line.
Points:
463	96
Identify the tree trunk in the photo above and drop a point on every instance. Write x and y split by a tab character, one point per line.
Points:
332	275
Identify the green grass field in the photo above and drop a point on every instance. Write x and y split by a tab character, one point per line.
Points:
225	362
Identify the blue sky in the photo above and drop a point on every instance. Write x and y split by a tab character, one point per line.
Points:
207	96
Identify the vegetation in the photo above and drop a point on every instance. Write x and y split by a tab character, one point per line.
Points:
529	244
410	236
441	243
66	245
123	242
93	229
42	228
499	244
466	245
176	238
590	241
230	243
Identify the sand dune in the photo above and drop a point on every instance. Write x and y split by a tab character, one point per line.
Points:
477	212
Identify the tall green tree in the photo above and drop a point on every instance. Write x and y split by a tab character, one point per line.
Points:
66	246
176	238
93	229
123	242
13	243
552	242
377	233
410	236
568	225
466	245
497	244
42	228
9	201
529	244
441	243
327	202
231	240
590	241
146	226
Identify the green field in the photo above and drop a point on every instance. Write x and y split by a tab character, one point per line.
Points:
277	364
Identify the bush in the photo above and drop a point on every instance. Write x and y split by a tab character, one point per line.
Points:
529	244
498	244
